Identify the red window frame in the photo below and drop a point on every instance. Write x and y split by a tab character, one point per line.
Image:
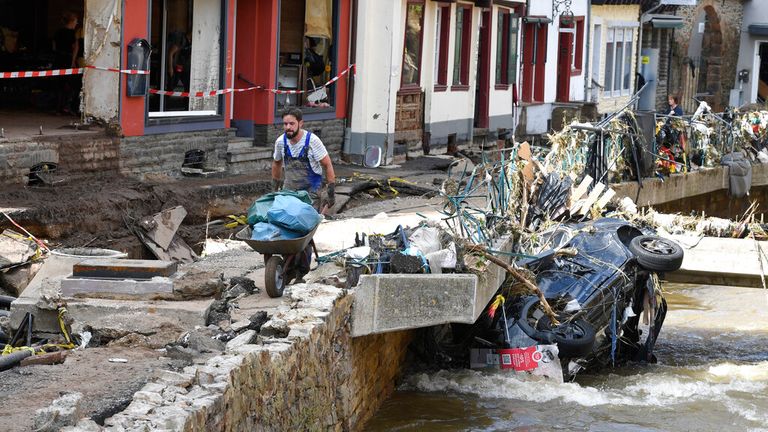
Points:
417	85
534	61
445	37
464	50
578	51
502	64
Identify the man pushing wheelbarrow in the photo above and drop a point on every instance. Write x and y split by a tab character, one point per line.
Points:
298	163
282	223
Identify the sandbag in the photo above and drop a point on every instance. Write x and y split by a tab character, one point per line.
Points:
293	214
257	212
265	231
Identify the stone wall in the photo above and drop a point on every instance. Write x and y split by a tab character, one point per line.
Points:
331	132
302	372
724	28
164	153
75	155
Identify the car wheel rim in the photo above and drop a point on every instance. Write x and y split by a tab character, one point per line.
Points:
279	277
657	246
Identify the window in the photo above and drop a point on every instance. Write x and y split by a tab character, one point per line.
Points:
462	46
578	49
186	56
534	59
414	32
441	47
618	61
306	53
506	48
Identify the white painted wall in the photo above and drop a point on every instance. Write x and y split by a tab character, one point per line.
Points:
378	66
450	104
544	8
103	28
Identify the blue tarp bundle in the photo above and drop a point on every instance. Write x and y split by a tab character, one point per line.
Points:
257	212
265	231
291	213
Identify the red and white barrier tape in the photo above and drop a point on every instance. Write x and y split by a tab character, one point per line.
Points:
239	90
71	71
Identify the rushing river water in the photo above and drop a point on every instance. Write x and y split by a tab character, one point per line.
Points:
712	375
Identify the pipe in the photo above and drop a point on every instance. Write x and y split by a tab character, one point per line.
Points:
586	57
10	360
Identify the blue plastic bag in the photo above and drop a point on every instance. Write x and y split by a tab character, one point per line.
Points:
257	212
264	231
293	214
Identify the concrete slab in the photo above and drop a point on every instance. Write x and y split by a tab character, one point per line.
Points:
123	268
71	286
720	261
390	302
134	316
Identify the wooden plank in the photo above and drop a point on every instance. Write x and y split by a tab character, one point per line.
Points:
591	198
603	201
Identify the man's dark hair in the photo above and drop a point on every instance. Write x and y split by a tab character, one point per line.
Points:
293	112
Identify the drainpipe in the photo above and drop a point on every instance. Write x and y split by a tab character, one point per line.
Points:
352	60
587	54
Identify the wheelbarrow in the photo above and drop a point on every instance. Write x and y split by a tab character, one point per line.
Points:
282	258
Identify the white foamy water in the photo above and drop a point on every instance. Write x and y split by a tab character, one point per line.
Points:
712	376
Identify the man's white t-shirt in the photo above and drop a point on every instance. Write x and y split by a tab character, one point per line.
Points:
317	150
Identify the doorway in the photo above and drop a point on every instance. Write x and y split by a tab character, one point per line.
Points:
762	77
482	82
38	35
564	64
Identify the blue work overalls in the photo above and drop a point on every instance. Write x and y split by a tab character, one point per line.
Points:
298	170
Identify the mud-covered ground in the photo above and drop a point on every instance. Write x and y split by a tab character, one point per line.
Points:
97	211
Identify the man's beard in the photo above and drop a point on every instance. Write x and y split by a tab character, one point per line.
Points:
291	134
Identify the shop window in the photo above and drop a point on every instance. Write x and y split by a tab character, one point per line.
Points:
442	36
307	53
462	45
506	48
414	36
186	56
618	61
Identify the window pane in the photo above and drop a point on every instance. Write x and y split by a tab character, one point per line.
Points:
627	59
617	66
608	84
412	49
457	46
512	63
499	47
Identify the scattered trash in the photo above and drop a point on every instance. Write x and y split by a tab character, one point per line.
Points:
159	234
117	360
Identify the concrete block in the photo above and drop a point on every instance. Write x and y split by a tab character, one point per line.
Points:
389	302
71	286
123	268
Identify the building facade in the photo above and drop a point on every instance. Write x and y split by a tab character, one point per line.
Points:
751	82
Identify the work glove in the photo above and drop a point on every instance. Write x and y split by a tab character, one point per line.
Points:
276	185
331	194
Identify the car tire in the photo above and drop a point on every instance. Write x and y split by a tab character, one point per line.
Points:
574	338
656	253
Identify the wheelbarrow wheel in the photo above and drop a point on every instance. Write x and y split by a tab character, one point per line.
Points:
273	278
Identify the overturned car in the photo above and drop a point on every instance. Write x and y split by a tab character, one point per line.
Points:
600	279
